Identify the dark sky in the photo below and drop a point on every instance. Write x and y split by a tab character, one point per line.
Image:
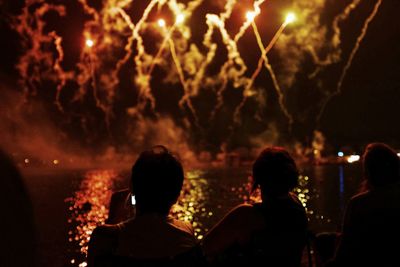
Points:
366	110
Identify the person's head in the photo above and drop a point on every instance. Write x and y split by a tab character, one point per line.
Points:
156	180
381	165
275	172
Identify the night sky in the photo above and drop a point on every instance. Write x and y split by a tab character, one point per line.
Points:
366	110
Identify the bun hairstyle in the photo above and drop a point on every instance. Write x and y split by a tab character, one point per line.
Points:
275	171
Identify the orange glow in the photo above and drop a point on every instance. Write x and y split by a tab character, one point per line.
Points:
161	23
251	15
180	18
89	43
89	207
290	18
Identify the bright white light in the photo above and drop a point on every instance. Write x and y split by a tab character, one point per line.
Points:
340	154
180	18
353	158
290	18
89	43
398	154
161	23
250	15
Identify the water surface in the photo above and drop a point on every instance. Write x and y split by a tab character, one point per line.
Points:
68	205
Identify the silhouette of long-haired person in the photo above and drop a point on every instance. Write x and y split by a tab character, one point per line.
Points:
18	237
371	225
272	232
156	181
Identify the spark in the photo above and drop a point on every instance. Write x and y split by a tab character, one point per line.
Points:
89	43
161	23
290	18
180	18
250	15
247	23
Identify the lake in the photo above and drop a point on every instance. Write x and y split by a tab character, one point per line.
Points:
68	204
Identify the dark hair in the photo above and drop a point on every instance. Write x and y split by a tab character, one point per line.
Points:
157	179
275	171
381	165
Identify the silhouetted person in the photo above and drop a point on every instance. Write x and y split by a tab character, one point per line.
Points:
17	236
156	181
272	232
371	227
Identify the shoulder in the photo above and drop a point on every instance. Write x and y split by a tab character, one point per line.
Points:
244	216
359	200
103	241
241	210
105	234
183	226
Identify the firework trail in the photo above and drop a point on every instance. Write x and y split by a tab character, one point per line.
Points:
247	90
28	25
335	55
114	41
61	74
354	51
213	22
168	34
268	66
250	19
186	97
228	70
142	79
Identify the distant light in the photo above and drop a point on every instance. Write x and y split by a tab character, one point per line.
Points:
398	154
290	18
353	158
26	161
180	18
161	23
56	161
251	15
340	154
89	43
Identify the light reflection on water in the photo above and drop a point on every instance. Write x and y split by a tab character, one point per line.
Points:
89	208
90	205
206	196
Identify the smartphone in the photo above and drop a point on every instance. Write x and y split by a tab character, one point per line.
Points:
133	200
